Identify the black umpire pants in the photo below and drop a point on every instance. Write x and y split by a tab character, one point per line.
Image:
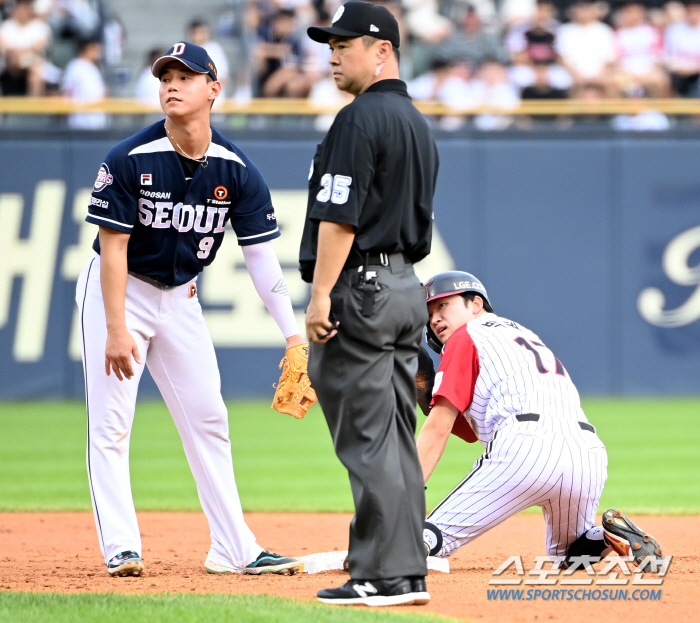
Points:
365	381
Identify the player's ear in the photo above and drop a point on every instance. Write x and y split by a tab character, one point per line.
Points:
214	90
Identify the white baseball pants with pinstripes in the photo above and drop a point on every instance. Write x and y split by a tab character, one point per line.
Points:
173	340
563	473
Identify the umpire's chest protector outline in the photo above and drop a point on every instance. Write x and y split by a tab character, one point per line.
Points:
176	228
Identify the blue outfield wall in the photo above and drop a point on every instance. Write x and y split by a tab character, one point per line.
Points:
593	243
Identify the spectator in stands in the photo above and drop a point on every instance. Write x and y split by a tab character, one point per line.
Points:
446	82
76	19
427	29
535	57
683	52
516	12
542	19
24	39
644	121
317	56
199	33
492	88
279	55
639	53
472	44
542	86
147	85
83	83
587	47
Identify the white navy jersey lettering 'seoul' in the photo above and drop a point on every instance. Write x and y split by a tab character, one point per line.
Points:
493	369
177	227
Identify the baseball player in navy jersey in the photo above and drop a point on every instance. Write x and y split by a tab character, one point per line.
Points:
162	200
498	383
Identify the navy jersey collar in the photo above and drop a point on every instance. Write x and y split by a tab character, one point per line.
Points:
390	85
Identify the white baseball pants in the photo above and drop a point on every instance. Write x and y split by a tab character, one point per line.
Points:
173	340
523	466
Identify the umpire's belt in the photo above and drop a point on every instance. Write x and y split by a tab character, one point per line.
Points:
534	417
154	282
396	262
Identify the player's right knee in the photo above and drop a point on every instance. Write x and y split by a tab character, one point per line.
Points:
432	537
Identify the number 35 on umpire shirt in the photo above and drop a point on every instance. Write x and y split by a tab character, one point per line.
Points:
376	170
177	225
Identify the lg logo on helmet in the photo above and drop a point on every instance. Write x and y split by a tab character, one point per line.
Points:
675	262
466	285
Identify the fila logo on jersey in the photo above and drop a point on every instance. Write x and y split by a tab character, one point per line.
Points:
146	179
220	193
193	290
163	214
104	178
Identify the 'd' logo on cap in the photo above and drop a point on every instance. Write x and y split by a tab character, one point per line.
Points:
338	14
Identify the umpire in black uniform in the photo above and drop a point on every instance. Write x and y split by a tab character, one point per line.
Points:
369	219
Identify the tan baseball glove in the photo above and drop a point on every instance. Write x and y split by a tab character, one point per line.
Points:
294	394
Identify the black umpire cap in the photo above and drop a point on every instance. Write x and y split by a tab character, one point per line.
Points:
356	19
192	56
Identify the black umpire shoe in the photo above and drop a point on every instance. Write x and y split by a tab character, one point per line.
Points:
420	590
386	592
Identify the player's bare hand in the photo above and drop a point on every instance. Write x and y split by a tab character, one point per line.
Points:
120	348
319	328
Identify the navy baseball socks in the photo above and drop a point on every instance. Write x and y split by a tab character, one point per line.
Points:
387	592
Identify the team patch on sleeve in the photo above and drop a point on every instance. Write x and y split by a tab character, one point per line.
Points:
270	218
98	203
104	178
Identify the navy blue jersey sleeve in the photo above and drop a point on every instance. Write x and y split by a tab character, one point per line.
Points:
253	218
113	203
346	170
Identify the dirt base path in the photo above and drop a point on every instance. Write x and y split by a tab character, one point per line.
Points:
59	552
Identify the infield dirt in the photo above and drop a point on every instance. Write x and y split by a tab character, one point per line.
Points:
59	552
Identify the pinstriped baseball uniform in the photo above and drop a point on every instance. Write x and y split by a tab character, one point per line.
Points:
539	448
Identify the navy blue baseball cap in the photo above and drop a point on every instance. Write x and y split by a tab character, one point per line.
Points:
192	56
355	19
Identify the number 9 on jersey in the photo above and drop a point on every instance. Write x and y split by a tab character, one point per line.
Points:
205	245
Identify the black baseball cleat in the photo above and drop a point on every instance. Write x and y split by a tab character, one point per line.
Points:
386	592
627	539
125	563
269	562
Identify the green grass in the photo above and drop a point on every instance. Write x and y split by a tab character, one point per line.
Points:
283	464
101	608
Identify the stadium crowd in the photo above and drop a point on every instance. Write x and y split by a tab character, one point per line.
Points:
464	53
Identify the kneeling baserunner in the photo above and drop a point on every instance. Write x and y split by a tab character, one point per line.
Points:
498	383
